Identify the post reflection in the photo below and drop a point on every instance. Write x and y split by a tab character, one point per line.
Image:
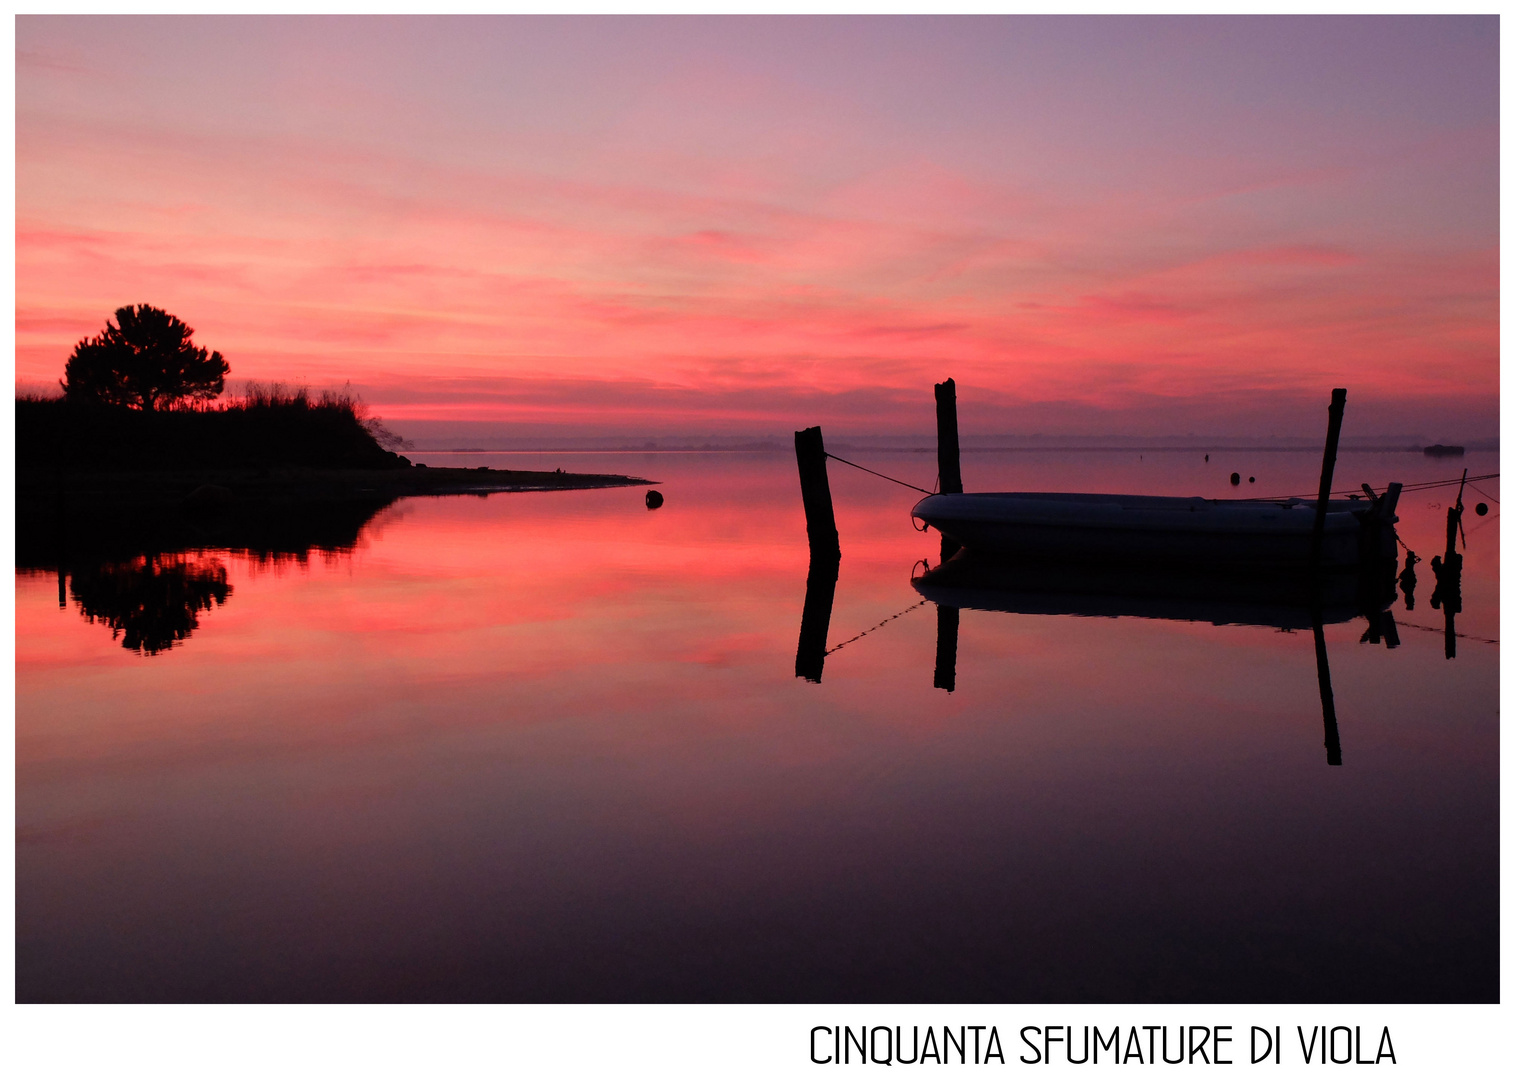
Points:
815	622
1327	698
945	677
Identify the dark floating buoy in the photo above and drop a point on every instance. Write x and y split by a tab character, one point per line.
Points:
1481	509
1235	479
654	500
208	499
1251	479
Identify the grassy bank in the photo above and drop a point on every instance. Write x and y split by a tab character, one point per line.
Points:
262	429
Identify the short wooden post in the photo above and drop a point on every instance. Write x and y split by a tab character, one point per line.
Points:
948	467
1449	578
1454	522
815	490
1327	468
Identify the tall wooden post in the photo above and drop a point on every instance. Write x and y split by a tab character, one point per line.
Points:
815	490
948	467
1327	468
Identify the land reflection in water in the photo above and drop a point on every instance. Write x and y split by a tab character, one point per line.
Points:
149	572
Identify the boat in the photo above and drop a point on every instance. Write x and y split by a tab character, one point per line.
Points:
1445	451
1164	530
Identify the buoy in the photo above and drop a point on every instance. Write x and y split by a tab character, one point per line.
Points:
208	499
1235	479
654	500
1481	509
1251	479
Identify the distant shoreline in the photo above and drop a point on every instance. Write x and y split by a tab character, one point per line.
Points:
862	449
297	484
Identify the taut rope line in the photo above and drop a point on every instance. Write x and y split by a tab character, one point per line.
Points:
865	469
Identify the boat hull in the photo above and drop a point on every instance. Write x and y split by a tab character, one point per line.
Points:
1152	530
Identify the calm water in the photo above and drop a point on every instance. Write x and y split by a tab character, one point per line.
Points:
551	747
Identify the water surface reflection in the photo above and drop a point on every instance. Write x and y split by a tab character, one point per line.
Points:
148	572
552	747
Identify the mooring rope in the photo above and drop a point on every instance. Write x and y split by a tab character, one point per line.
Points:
871	629
1484	493
1478	525
1425	485
865	469
1421	486
1442	630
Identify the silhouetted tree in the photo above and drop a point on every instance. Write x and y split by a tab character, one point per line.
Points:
144	360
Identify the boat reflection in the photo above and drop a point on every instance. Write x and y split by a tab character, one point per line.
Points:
1282	601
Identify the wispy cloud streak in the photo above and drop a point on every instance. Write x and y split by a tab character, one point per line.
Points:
735	234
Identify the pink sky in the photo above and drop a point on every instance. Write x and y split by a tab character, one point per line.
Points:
643	225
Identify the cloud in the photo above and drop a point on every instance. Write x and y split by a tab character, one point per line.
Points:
736	264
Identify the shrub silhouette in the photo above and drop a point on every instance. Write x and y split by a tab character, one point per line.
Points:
144	360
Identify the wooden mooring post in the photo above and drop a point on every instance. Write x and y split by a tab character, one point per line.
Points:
949	470
1449	575
815	491
948	464
1327	469
1317	543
